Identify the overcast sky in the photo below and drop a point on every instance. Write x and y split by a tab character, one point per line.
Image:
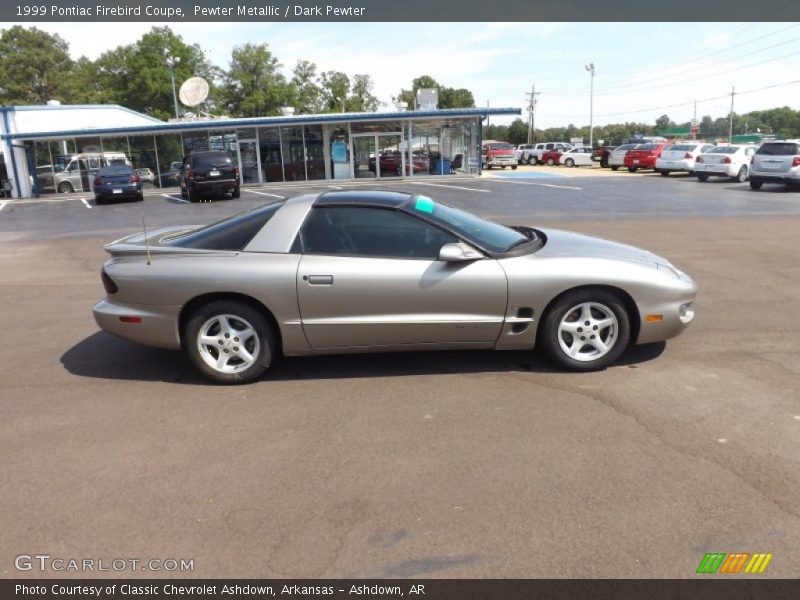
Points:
642	69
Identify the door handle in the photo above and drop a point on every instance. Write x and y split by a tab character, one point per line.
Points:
319	279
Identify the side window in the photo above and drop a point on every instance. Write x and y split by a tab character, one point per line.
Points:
376	232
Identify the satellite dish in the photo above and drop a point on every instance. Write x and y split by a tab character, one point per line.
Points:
193	91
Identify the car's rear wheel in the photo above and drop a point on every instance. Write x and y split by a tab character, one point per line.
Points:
741	176
664	172
236	193
569	163
65	187
532	160
755	184
551	162
586	330
632	169
191	196
702	177
140	197
230	342
615	168
513	167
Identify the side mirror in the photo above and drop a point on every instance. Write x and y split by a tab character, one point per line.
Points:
458	252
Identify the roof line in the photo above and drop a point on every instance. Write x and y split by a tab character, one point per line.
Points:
175	127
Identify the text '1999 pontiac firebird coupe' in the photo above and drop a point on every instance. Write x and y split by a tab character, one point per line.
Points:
374	271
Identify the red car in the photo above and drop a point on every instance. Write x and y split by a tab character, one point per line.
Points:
551	157
644	156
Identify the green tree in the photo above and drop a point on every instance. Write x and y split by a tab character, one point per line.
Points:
663	123
448	97
335	91
254	85
34	67
517	132
304	80
361	98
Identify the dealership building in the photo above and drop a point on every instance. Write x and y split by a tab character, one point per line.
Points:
56	148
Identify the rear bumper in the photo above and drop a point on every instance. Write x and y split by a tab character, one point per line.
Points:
723	170
158	326
675	165
125	191
790	176
219	186
640	163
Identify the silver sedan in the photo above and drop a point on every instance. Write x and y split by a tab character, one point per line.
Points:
358	271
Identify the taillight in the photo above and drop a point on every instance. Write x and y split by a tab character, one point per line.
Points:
126	319
726	160
688	155
134	179
108	283
190	174
236	171
699	159
796	161
753	160
98	180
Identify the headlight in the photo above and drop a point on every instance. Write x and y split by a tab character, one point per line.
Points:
686	312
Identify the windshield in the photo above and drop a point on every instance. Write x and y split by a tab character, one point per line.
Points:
683	147
484	234
500	147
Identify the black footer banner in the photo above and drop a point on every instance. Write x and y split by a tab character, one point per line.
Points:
431	589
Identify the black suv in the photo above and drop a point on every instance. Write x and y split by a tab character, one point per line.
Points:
207	173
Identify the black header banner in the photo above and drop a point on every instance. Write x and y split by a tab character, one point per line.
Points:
711	588
175	11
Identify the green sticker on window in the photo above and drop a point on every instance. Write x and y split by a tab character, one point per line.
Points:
424	204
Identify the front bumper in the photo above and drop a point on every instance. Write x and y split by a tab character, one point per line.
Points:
158	325
668	318
501	161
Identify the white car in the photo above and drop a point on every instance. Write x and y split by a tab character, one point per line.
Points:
725	161
577	157
522	149
617	157
680	157
776	162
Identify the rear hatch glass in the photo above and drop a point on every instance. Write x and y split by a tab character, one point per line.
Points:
203	162
778	149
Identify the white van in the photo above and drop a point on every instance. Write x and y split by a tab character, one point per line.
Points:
79	173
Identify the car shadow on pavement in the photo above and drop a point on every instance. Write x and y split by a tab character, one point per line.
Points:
103	356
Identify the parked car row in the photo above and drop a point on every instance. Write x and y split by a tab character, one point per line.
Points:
771	162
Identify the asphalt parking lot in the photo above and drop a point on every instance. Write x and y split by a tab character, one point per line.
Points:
455	464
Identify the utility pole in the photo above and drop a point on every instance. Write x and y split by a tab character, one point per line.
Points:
730	125
694	121
532	112
590	68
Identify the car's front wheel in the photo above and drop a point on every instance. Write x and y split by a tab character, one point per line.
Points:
65	187
569	163
632	169
664	172
585	330
551	162
230	342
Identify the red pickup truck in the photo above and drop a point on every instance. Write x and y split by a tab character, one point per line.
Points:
498	154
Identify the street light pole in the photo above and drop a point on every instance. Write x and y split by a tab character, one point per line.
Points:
590	68
171	62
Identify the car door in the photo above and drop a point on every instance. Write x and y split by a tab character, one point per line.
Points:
370	276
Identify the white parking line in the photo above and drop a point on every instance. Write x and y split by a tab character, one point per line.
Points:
551	185
335	187
265	194
179	199
85	203
3	205
455	187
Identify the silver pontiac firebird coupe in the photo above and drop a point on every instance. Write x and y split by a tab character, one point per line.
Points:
364	271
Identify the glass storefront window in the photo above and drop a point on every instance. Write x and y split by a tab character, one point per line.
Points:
45	170
222	140
195	142
375	127
169	150
89	145
339	150
294	164
423	142
269	144
315	158
143	159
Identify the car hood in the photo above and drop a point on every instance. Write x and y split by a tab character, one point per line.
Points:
568	244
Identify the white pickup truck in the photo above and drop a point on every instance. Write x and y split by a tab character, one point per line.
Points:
534	155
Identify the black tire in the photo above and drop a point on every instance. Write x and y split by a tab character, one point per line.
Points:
615	168
755	184
502	166
551	161
488	167
236	193
569	163
632	169
664	173
98	200
191	196
140	197
549	340
741	176
239	313
513	167
65	187
702	177
532	160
